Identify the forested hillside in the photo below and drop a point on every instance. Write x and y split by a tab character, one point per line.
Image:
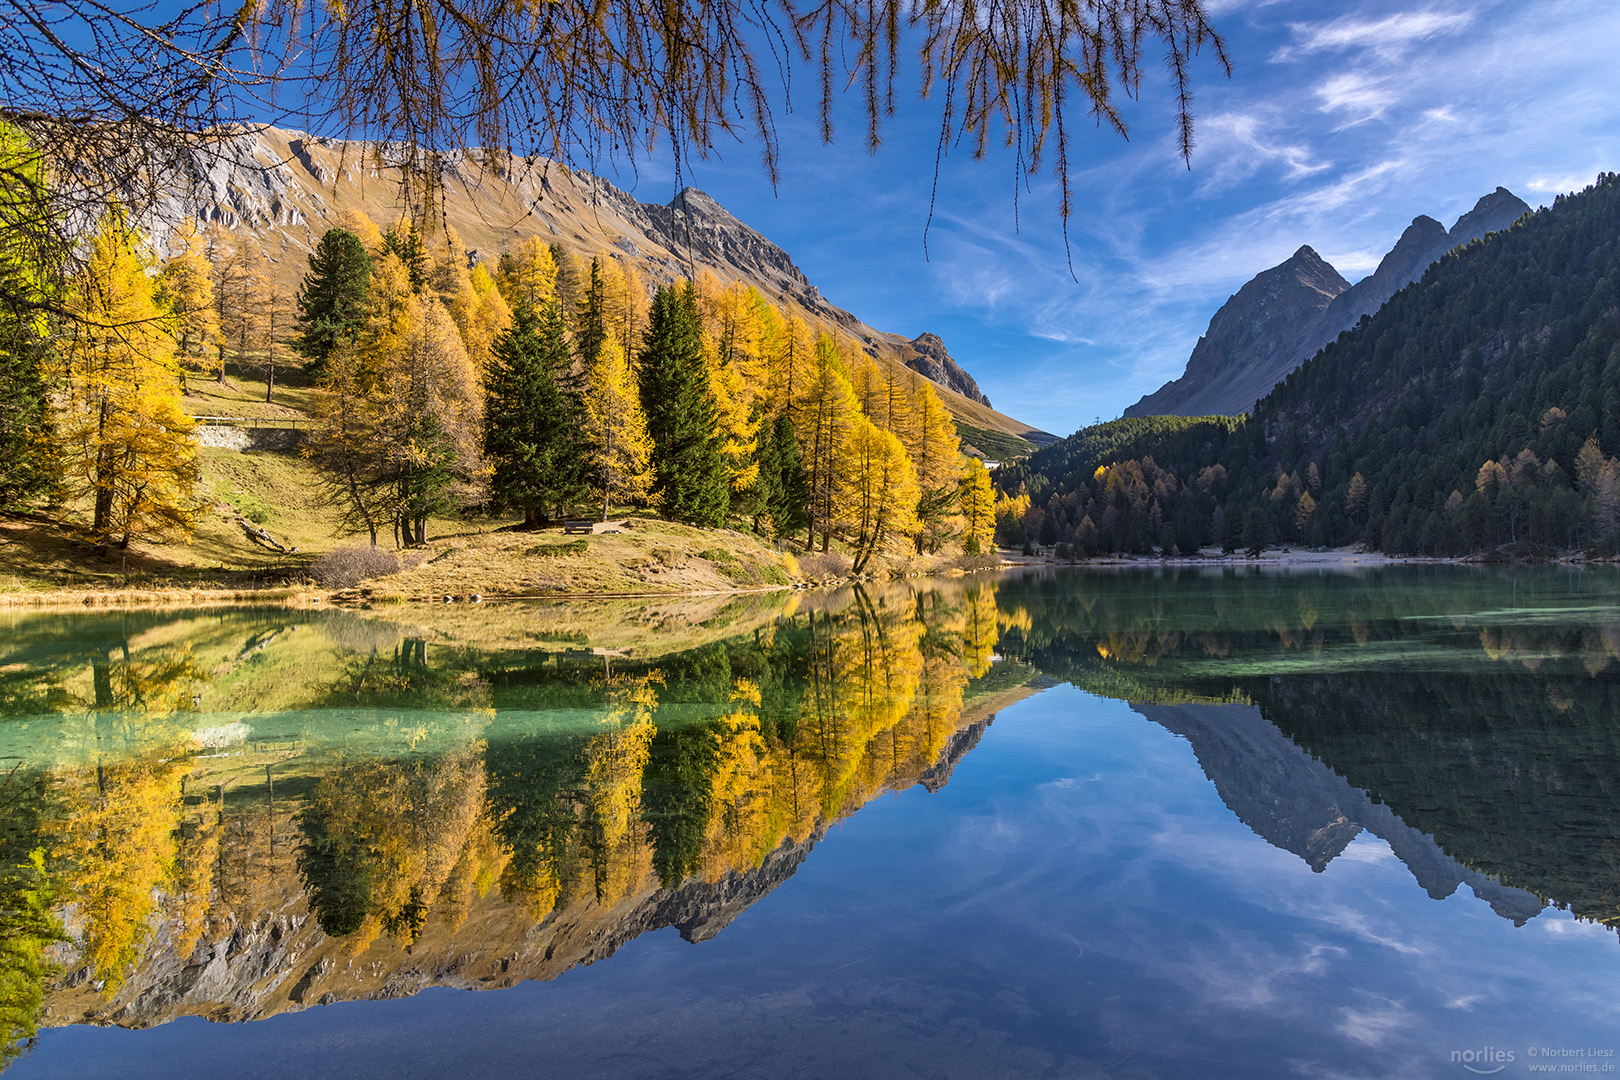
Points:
1477	410
540	385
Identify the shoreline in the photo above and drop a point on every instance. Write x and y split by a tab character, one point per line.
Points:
295	596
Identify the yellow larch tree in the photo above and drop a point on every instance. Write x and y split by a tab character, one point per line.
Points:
358	222
867	382
117	841
935	450
528	272
824	426
186	288
740	323
615	764
244	301
125	440
976	503
789	353
880	492
897	411
481	314
739	430
616	427
624	301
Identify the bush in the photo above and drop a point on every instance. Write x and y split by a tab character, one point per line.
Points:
984	561
717	555
346	567
824	565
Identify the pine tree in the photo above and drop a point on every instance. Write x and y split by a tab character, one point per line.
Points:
27	289
591	315
977	502
534	419
690	476
782	488
125	439
407	243
615	427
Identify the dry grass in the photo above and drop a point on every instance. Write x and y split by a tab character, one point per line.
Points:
243	395
640	556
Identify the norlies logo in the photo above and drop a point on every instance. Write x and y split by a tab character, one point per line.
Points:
1486	1061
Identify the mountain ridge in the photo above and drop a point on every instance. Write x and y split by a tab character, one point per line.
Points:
1241	357
287	188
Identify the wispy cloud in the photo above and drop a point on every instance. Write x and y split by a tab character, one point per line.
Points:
1391	35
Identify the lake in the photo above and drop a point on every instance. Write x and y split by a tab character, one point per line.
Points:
1048	823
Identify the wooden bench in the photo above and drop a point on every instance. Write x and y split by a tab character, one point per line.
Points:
570	527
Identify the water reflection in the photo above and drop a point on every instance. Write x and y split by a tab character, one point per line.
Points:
413	810
239	813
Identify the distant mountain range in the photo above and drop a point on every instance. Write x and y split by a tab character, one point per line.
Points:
1284	315
288	188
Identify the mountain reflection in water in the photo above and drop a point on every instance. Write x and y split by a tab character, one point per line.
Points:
237	813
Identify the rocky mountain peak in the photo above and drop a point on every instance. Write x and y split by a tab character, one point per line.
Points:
1492	213
1243	355
1233	363
929	357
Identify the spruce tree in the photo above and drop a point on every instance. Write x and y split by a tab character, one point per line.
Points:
534	418
332	298
782	489
412	252
590	321
690	478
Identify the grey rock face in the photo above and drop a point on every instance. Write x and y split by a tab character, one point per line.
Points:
1254	334
933	361
1244	353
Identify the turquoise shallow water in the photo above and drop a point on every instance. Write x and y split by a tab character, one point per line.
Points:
1061	824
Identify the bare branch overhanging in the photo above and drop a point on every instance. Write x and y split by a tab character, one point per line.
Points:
580	81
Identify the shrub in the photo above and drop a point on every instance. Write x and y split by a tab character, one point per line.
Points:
346	567
824	565
717	555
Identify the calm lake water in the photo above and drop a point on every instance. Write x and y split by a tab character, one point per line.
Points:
1049	824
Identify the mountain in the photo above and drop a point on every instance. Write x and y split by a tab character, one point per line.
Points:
288	188
1299	805
1263	329
1287	313
1476	412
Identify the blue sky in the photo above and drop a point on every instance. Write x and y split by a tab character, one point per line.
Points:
1341	123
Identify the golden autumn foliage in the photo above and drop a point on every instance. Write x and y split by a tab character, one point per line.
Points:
125	441
186	289
616	426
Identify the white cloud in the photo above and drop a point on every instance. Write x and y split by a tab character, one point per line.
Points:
1352	92
1388	36
1561	185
